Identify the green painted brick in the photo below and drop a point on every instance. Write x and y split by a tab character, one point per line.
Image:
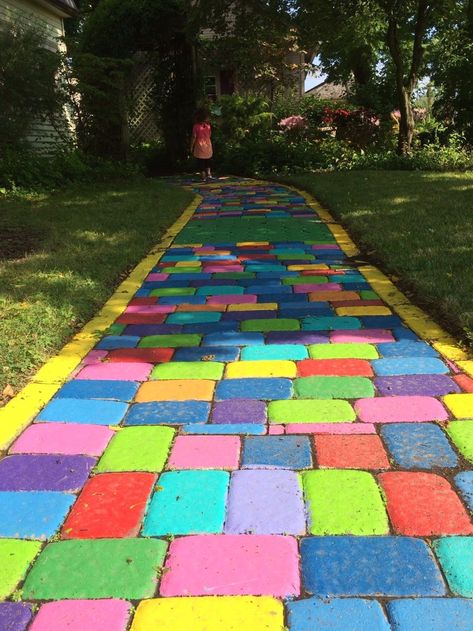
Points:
115	329
305	280
319	411
461	432
344	502
333	388
15	559
233	275
137	449
368	294
189	370
343	351
173	291
456	559
271	324
190	269
170	341
220	290
295	256
100	568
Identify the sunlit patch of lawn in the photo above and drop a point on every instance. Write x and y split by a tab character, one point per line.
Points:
85	242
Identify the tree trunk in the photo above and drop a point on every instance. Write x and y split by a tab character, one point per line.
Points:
407	123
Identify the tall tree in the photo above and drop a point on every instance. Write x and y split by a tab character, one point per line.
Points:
397	32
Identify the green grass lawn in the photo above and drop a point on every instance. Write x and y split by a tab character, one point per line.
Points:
82	243
417	227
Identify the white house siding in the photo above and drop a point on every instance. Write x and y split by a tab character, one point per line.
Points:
30	13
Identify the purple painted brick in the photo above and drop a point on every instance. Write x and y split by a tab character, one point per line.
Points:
239	411
265	503
416	385
297	337
15	616
44	472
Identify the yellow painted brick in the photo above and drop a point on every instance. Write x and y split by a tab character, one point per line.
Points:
308	267
363	311
460	405
451	351
264	306
261	369
207	613
467	366
251	243
188	264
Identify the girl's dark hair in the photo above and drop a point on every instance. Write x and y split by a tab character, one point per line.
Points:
202	115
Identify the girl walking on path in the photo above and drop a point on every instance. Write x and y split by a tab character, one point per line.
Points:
201	143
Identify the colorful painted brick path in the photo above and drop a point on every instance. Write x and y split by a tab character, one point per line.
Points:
258	443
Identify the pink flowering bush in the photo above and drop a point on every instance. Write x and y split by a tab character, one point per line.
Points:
295	127
358	126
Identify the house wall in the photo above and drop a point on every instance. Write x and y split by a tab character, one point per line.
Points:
28	13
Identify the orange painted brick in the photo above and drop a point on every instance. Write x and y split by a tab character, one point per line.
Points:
335	367
350	452
176	390
185	307
333	296
465	382
424	504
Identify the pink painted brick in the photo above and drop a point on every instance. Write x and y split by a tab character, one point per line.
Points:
232	299
276	430
205	452
83	615
400	410
120	371
330	428
151	309
156	277
63	438
94	357
232	565
213	269
370	336
305	289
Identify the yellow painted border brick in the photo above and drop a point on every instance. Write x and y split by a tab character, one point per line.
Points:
18	413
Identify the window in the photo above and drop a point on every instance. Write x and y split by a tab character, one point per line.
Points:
210	87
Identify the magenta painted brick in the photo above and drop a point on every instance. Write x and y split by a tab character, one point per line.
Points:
370	336
205	452
121	371
400	410
232	299
215	269
63	438
157	277
232	565
306	289
330	428
83	615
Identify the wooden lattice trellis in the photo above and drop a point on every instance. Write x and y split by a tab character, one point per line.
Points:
142	120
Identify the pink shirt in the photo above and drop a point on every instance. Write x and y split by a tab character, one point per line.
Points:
203	143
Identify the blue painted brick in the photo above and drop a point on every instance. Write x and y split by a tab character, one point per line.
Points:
381	322
229	429
305	310
193	317
292	352
418	445
90	412
168	413
402	333
263	389
279	452
369	566
353	614
407	348
91	389
269	289
392	366
223	327
33	515
233	338
111	342
204	353
281	274
464	482
178	300
431	614
324	323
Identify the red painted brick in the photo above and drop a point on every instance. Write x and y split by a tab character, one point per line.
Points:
147	355
110	505
150	300
351	452
464	382
142	318
424	504
335	367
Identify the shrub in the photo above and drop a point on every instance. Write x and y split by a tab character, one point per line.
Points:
358	126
